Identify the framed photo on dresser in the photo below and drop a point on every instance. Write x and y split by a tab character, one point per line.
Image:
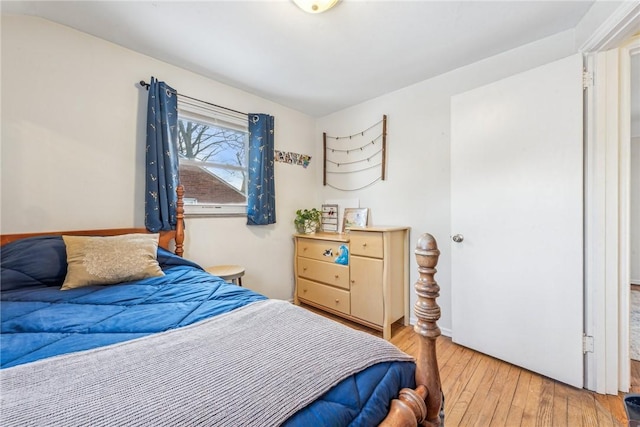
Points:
355	217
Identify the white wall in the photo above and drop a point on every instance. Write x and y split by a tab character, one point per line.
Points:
417	191
73	129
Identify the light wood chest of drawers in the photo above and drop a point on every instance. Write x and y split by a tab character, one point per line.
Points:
372	290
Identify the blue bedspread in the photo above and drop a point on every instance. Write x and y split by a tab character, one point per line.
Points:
38	321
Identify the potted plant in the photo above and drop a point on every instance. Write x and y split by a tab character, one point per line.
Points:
307	220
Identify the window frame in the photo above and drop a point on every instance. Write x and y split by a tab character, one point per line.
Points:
211	115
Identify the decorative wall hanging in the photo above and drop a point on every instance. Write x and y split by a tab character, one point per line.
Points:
292	158
356	161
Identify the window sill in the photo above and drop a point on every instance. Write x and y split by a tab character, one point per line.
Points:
215	210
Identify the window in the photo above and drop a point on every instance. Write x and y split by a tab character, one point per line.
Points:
212	148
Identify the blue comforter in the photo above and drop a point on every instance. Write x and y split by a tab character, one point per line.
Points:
40	321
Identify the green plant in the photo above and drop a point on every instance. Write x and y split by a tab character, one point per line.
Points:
307	220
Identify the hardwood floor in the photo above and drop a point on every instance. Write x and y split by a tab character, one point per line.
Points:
482	391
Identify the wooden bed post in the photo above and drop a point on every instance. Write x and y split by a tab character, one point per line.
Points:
179	239
428	313
423	405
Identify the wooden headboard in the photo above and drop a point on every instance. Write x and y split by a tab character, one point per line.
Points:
166	237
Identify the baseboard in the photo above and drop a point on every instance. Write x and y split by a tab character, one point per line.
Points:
445	331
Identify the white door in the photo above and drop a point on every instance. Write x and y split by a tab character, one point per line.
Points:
517	202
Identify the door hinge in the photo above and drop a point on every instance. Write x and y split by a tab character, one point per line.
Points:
587	343
587	79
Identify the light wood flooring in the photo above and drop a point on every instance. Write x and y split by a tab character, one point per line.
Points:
483	391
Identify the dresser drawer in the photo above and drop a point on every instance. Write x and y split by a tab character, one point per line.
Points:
334	298
322	250
332	274
366	243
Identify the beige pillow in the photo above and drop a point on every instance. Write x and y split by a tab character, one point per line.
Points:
111	259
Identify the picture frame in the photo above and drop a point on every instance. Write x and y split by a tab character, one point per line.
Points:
355	217
330	218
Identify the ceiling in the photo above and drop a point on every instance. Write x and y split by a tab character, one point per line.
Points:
314	63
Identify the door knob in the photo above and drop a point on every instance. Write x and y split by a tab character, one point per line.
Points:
458	238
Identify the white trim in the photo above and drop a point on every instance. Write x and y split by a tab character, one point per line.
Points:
609	115
607	252
624	179
207	164
594	225
606	308
446	332
215	210
621	24
209	117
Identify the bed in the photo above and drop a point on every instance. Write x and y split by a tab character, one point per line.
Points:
183	347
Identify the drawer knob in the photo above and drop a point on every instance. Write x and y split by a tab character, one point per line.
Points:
304	291
304	249
337	276
337	301
353	281
304	268
364	245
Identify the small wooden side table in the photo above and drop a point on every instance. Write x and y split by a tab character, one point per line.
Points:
230	273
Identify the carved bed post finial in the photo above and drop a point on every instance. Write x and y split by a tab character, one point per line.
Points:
422	406
179	239
428	312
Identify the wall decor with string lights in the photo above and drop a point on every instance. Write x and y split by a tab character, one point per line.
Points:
353	162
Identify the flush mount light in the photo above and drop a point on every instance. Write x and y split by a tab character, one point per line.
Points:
315	6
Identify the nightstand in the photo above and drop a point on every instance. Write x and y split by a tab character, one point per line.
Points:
230	273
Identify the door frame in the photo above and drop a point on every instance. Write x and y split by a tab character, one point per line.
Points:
632	47
607	143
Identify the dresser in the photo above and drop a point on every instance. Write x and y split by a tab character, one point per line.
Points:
373	289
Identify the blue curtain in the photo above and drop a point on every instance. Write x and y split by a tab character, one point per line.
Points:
162	157
261	199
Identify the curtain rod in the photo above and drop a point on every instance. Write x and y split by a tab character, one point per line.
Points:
146	86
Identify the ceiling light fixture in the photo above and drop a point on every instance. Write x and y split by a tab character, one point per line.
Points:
315	6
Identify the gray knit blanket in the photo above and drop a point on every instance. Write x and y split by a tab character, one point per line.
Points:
256	365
